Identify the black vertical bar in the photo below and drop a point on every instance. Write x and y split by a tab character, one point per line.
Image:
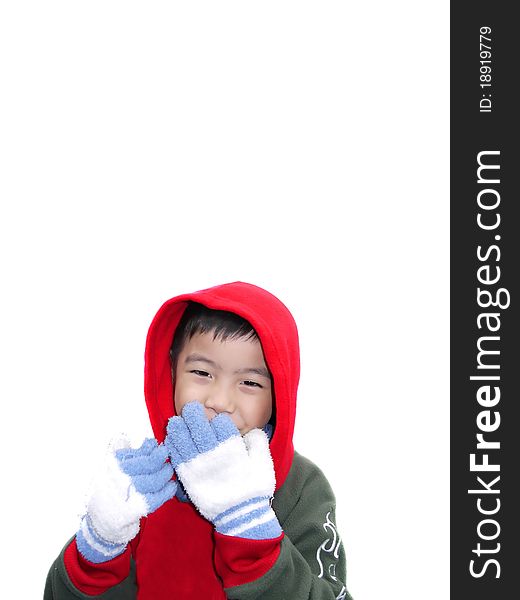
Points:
485	127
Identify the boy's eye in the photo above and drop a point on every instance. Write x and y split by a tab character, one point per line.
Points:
252	384
200	373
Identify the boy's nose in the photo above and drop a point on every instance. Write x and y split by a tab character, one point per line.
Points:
220	401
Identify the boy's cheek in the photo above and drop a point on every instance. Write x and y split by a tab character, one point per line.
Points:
179	401
180	404
184	393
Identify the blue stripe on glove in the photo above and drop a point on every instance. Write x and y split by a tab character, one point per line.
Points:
93	547
253	519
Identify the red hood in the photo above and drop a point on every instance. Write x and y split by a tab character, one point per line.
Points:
277	331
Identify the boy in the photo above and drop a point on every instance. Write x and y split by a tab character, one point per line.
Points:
245	516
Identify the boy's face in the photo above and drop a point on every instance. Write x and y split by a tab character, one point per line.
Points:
225	376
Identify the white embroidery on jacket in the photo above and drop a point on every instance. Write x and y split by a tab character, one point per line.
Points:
343	594
330	546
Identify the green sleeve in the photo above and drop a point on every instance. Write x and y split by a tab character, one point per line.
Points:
311	564
59	587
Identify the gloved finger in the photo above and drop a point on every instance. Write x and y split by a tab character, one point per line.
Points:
119	443
223	427
257	443
153	482
146	463
201	431
260	459
146	447
156	499
175	457
178	441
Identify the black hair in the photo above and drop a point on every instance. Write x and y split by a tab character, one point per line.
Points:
197	318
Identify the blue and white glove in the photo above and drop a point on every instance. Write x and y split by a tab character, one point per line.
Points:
229	478
133	484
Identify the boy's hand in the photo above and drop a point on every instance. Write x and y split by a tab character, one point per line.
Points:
134	483
230	479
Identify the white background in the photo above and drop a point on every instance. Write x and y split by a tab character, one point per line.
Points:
154	148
